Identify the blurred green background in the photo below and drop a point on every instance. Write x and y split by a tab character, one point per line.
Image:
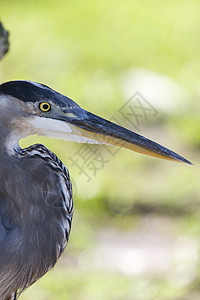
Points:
135	233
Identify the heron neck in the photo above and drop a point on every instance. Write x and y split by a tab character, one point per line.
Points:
9	139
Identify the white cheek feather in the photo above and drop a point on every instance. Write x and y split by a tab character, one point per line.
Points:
57	129
46	127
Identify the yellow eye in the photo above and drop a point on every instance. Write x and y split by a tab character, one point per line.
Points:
44	106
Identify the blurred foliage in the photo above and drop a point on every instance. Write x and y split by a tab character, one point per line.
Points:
85	50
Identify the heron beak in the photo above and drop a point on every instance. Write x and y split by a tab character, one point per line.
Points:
91	126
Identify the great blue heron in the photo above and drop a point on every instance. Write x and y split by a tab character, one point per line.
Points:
36	205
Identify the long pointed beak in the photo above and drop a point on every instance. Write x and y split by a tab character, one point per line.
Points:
86	124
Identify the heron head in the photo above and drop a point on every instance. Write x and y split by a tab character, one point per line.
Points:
32	108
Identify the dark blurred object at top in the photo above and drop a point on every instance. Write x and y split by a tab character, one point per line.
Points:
4	44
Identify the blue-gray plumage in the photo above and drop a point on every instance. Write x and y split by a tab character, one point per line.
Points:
36	206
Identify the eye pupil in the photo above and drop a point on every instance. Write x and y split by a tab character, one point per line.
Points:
44	106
